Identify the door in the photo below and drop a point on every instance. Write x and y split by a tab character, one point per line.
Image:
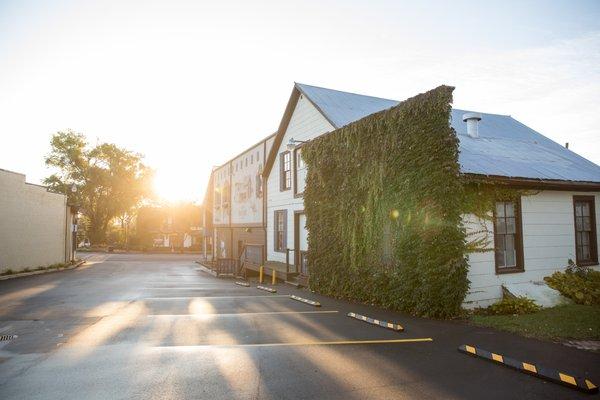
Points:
300	242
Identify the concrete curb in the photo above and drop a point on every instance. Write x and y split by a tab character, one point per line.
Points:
374	321
267	289
307	301
44	271
536	370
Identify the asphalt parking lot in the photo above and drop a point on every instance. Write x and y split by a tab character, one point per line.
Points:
154	326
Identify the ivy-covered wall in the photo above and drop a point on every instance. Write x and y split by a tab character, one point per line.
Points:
383	205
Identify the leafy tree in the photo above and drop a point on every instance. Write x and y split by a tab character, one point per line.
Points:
109	181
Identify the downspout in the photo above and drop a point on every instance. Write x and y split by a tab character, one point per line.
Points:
66	250
265	203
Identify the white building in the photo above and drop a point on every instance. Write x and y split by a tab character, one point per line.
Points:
36	226
533	238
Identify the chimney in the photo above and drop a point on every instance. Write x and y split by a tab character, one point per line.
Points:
472	119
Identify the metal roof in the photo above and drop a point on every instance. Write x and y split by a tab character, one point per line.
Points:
505	147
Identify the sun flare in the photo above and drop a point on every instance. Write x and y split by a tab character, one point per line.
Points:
173	186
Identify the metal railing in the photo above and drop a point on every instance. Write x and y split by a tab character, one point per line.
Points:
226	266
251	254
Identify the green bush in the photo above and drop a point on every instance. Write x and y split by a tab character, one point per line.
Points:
383	201
511	306
583	287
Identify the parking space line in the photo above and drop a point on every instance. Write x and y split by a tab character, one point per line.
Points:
271	296
244	313
309	343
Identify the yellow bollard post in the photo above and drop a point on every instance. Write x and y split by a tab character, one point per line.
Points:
260	274
274	277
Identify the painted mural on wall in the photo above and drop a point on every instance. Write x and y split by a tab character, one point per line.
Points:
247	193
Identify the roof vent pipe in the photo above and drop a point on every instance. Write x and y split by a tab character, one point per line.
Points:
472	119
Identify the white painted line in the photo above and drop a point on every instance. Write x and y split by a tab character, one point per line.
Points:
310	343
217	297
242	314
182	288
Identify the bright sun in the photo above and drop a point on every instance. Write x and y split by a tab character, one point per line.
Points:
173	186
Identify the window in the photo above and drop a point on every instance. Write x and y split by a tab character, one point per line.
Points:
508	242
285	171
586	251
299	172
280	223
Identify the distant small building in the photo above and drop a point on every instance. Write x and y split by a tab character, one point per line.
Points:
36	226
175	227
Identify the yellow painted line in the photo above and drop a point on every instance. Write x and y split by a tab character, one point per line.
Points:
314	343
567	378
497	357
471	349
529	367
243	313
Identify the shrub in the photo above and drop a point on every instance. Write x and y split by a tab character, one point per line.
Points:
581	286
511	306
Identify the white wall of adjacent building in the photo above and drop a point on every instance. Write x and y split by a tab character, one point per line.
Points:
35	225
548	229
305	123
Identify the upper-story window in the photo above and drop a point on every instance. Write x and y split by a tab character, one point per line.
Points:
285	170
586	251
508	239
299	172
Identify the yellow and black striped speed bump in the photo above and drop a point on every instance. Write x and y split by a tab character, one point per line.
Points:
311	302
267	289
383	324
539	371
246	284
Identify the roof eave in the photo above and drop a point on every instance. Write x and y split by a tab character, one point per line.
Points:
285	120
530	183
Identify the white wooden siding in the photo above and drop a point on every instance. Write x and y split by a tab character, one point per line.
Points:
548	243
306	123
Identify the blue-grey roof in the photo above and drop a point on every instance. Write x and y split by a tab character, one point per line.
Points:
505	147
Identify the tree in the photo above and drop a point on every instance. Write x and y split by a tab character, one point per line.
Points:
110	181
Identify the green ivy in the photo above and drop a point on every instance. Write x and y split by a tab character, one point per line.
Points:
383	199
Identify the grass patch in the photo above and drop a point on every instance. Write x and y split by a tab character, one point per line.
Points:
563	322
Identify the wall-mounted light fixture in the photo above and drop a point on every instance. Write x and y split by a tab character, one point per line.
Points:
292	143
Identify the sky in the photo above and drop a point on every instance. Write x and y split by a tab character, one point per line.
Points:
190	84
